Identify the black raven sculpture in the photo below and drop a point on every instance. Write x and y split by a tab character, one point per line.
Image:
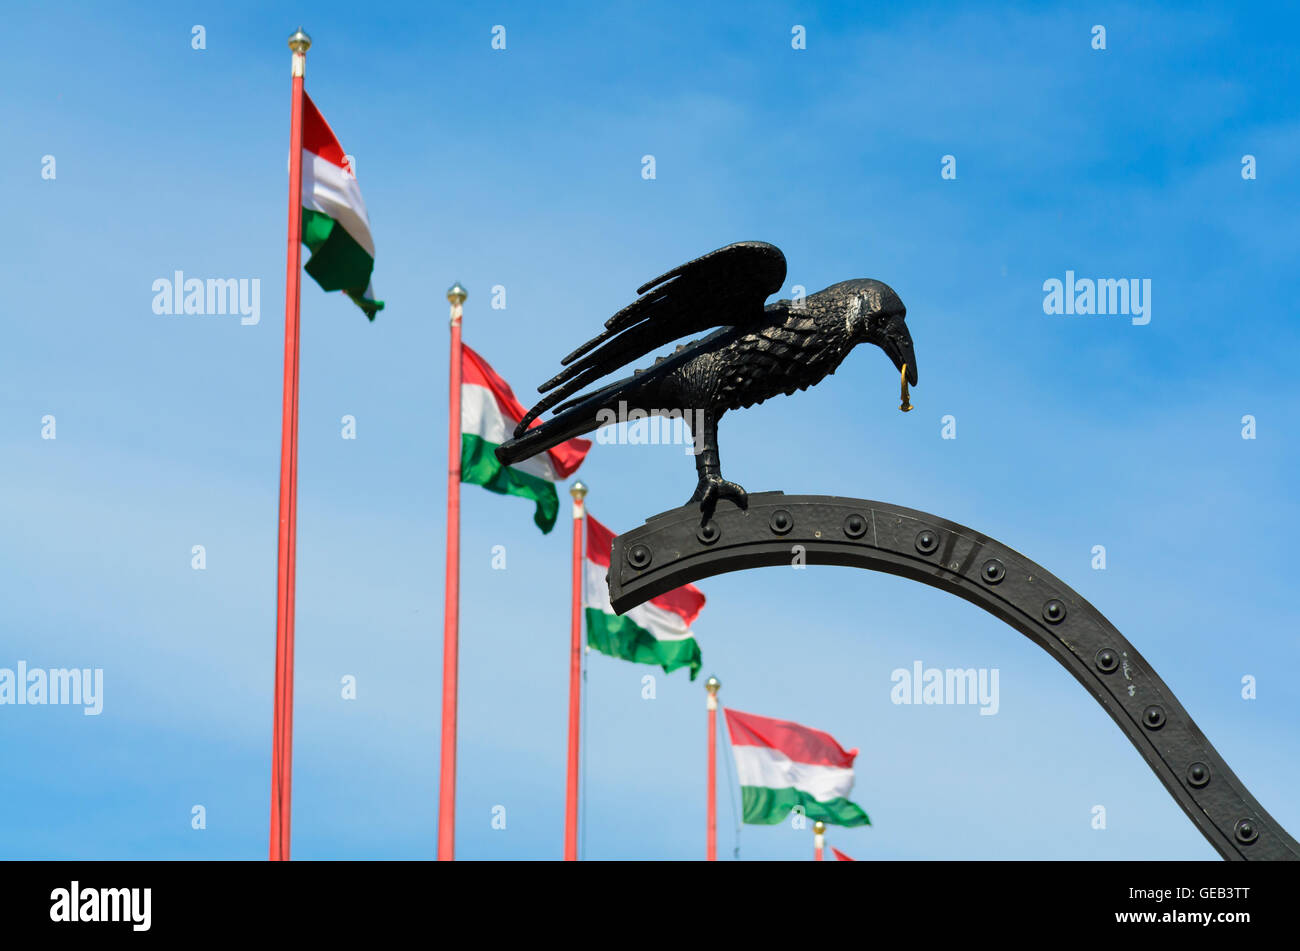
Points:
757	351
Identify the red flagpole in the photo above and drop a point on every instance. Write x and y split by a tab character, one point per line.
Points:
711	809
579	492
819	840
451	618
286	547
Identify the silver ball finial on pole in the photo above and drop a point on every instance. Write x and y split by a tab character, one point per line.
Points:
456	296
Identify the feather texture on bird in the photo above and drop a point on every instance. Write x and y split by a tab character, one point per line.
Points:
757	351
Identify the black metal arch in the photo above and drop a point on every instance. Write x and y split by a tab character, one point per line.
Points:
676	547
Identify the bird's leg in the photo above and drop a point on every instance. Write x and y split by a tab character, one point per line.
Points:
711	487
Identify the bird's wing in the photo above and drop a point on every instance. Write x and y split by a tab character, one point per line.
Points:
724	288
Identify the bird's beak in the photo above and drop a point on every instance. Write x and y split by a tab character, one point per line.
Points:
898	345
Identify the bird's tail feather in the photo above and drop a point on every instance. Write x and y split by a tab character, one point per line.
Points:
577	417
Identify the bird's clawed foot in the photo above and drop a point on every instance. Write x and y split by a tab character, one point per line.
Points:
711	488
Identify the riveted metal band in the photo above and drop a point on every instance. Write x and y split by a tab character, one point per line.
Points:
674	548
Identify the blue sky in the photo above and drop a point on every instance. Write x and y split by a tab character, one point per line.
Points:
522	168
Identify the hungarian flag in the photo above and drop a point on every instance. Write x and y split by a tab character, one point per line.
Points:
489	413
781	765
656	632
335	225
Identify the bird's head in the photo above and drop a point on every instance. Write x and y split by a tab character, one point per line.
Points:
874	314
